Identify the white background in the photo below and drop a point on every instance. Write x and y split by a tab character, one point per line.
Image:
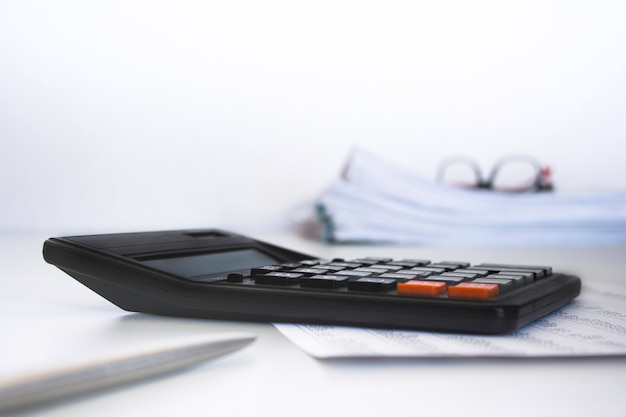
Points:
119	115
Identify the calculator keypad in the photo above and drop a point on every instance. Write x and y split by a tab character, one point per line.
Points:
406	277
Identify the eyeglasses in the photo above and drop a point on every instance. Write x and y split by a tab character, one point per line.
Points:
513	174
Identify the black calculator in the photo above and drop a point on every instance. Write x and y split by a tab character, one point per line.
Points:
216	274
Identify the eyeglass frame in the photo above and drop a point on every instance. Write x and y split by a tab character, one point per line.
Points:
541	183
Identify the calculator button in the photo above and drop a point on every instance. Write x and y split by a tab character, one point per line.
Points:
429	269
379	259
371	270
364	261
308	271
397	277
387	267
496	270
292	265
479	272
465	275
345	264
473	291
405	264
421	288
324	281
265	269
234	277
419	262
330	267
372	284
503	283
443	266
416	274
278	278
358	274
448	280
547	270
518	280
539	271
528	276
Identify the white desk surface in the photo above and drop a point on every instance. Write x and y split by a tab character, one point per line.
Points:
50	320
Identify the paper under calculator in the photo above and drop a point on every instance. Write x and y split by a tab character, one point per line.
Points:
221	275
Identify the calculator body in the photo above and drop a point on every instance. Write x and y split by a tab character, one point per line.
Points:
209	273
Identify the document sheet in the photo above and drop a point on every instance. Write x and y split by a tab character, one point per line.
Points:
592	325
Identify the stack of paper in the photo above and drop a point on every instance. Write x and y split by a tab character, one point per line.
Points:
375	201
591	326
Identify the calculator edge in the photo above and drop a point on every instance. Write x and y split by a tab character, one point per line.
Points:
159	293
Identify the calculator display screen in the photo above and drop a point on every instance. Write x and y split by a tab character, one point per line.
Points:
190	266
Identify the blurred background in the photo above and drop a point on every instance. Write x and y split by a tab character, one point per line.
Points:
137	115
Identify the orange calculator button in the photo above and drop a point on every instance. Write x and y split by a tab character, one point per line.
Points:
473	291
421	288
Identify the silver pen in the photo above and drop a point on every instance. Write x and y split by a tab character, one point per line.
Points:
37	389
